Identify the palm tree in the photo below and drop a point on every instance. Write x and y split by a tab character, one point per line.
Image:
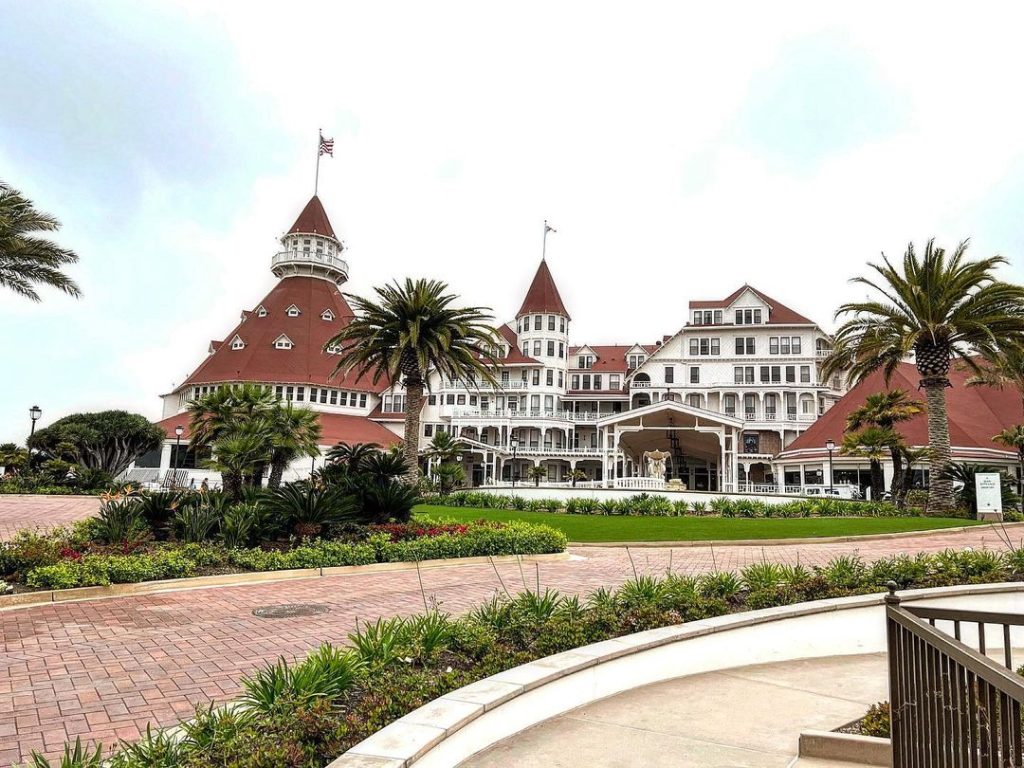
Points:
1014	438
295	432
576	475
885	410
240	455
874	444
937	307
444	447
537	474
233	418
408	331
353	456
12	457
25	258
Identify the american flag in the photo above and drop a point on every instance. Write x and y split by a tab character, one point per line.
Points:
326	146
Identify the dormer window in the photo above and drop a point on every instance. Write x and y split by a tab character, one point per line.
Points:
261	311
635	361
283	342
327	315
292	311
237	343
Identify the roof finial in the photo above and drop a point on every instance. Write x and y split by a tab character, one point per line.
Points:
544	248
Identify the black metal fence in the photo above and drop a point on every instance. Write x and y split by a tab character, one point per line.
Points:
952	705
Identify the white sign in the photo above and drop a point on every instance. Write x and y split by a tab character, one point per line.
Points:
989	492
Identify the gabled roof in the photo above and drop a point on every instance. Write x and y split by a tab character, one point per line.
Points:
306	362
780	314
313	220
515	355
543	295
611	358
975	413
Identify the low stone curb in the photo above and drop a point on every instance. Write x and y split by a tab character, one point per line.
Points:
30	599
847	747
787	542
405	741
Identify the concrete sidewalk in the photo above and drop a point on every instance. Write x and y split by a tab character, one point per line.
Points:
750	717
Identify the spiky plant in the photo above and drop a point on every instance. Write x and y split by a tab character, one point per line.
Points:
935	307
886	410
409	330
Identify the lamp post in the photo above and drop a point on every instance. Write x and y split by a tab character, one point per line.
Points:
830	445
515	447
34	413
178	432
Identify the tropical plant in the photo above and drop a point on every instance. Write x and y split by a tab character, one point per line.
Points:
886	410
241	454
937	307
352	456
1013	437
120	520
107	441
26	259
307	508
576	475
963	475
1007	370
77	756
448	477
444	447
537	474
295	432
392	500
195	523
408	331
874	444
12	457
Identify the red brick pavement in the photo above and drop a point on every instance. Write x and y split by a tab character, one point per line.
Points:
103	669
42	512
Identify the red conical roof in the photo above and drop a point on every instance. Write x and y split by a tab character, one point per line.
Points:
313	220
306	362
543	294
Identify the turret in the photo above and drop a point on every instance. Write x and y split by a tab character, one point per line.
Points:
543	318
311	248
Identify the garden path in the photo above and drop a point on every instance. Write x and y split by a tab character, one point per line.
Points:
748	716
103	669
43	512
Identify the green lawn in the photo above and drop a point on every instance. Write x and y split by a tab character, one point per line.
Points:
584	528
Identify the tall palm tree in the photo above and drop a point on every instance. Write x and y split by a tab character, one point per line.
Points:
26	259
874	444
885	410
936	307
1014	438
295	432
409	330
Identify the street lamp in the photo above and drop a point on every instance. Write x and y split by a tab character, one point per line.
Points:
515	447
830	445
34	413
178	432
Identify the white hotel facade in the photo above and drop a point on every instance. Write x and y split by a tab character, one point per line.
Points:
722	396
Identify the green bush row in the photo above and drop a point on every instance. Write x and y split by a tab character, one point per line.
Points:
177	561
304	713
644	504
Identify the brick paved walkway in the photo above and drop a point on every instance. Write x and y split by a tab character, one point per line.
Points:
43	512
103	669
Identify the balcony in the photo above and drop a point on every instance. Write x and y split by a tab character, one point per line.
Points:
475	414
288	263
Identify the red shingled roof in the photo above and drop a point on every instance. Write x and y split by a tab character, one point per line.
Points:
780	314
313	220
305	362
610	357
337	428
975	413
515	355
543	295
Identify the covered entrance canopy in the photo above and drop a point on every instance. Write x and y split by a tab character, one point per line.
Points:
701	445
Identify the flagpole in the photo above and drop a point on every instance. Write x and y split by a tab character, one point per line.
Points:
316	181
544	247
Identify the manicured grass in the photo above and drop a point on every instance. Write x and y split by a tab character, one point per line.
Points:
596	528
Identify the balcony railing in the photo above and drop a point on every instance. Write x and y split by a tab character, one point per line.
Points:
951	704
528	414
303	257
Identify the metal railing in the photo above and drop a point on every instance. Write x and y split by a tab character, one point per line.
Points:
304	257
526	414
952	705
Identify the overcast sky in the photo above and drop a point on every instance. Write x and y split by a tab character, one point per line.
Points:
679	149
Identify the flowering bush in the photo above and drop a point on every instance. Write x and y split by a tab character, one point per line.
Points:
410	531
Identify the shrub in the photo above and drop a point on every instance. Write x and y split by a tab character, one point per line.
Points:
877	721
240	525
195	523
392	500
120	520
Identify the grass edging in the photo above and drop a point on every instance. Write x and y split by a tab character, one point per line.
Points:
242	578
783	542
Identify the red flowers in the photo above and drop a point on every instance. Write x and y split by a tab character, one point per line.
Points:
67	553
410	531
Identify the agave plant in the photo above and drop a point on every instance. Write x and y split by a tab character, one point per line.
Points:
196	523
78	756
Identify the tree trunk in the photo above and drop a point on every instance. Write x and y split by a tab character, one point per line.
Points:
276	472
896	489
413	409
877	480
940	486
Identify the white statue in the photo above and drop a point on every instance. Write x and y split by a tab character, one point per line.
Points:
656	463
